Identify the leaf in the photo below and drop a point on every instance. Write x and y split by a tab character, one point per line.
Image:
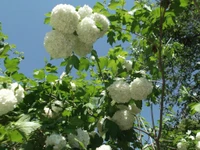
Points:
113	5
11	64
75	61
111	37
15	136
84	64
196	107
39	74
51	78
98	7
25	126
184	3
4	50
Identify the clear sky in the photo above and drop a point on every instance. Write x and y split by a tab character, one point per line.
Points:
22	21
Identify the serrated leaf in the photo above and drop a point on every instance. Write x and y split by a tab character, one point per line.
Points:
11	64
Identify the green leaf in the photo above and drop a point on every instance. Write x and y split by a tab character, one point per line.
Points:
113	5
76	121
4	50
19	76
75	61
11	64
25	126
84	64
15	136
39	74
98	7
184	3
196	107
51	78
5	79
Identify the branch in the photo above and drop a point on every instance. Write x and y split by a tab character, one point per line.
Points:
161	67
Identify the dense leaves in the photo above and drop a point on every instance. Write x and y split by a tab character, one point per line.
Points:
157	41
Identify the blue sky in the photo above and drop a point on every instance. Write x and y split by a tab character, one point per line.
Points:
22	21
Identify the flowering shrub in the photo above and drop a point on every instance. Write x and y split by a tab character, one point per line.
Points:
105	104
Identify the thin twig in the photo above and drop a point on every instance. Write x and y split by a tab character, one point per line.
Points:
152	119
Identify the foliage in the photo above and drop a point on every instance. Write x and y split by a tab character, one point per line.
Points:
162	42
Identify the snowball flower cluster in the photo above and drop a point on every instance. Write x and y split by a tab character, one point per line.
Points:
182	145
10	97
57	141
82	136
198	139
119	91
64	18
140	88
198	136
122	92
104	147
124	119
74	30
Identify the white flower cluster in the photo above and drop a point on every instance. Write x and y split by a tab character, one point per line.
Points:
74	30
183	145
57	141
82	136
198	141
124	119
140	88
122	92
104	147
56	108
10	97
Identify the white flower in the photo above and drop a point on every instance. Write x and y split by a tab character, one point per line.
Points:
73	85
82	136
92	58
140	88
82	49
119	91
182	145
132	108
198	145
188	132
85	11
59	45
18	90
102	21
57	106
128	65
64	18
104	147
87	31
124	119
198	136
191	137
48	112
8	101
56	140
